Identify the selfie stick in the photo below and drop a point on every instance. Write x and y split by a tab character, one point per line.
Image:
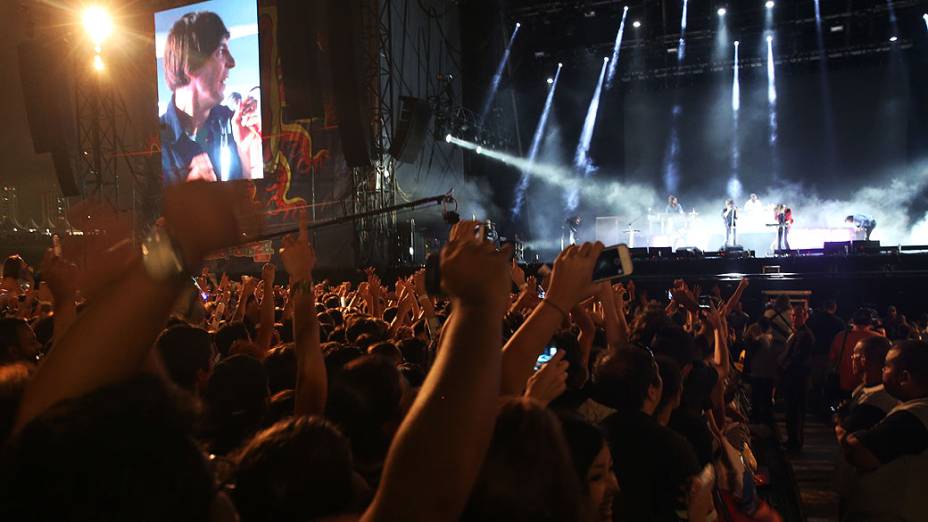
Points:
290	229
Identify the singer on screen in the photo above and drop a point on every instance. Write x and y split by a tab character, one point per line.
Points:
200	137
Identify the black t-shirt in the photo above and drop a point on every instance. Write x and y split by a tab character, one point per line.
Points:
692	426
825	327
900	433
862	417
653	465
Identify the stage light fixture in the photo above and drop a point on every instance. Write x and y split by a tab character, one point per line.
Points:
447	138
769	4
559	65
97	24
722	11
605	59
836	28
479	149
550	81
636	24
518	25
737	43
893	38
769	38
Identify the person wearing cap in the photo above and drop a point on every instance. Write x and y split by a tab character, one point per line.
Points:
842	348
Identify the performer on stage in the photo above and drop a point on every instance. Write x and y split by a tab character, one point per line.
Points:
200	137
673	206
864	224
784	218
730	218
753	204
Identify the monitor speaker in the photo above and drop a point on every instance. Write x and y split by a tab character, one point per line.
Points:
413	125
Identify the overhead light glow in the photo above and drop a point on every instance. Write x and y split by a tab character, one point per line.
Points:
518	25
448	138
769	4
479	149
636	24
893	38
722	11
559	65
98	64
550	81
97	23
769	38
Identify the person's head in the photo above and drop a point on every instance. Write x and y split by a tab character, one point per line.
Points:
862	319
672	199
196	56
187	353
298	469
753	197
781	304
628	380
228	334
671	391
388	350
280	364
236	401
830	306
891	313
905	373
674	342
13	380
122	452
17	341
849	219
415	351
13	267
527	474
593	463
729	203
868	358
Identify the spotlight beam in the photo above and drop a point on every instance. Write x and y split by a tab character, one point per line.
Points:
681	47
497	76
582	154
536	144
616	49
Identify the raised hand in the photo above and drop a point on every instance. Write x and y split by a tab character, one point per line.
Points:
518	275
268	272
572	275
60	275
550	381
297	254
473	271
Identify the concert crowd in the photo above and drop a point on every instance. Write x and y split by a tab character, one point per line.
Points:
129	393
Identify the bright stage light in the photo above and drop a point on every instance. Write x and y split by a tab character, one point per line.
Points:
769	4
636	24
447	138
518	25
722	11
550	81
98	64
559	65
737	43
97	23
769	38
479	149
893	38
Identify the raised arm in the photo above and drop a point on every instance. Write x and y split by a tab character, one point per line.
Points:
110	340
61	277
735	297
441	444
299	258
571	281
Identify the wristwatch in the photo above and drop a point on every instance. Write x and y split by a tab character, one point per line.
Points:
161	256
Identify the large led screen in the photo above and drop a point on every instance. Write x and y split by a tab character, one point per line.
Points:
209	92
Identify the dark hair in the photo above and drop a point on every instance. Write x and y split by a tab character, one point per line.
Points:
622	378
13	380
671	379
863	317
415	351
674	342
584	441
388	350
12	266
527	474
235	402
230	333
298	469
185	350
122	452
9	338
280	364
913	358
875	349
191	41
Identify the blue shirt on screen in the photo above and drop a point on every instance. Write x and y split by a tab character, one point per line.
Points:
178	148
